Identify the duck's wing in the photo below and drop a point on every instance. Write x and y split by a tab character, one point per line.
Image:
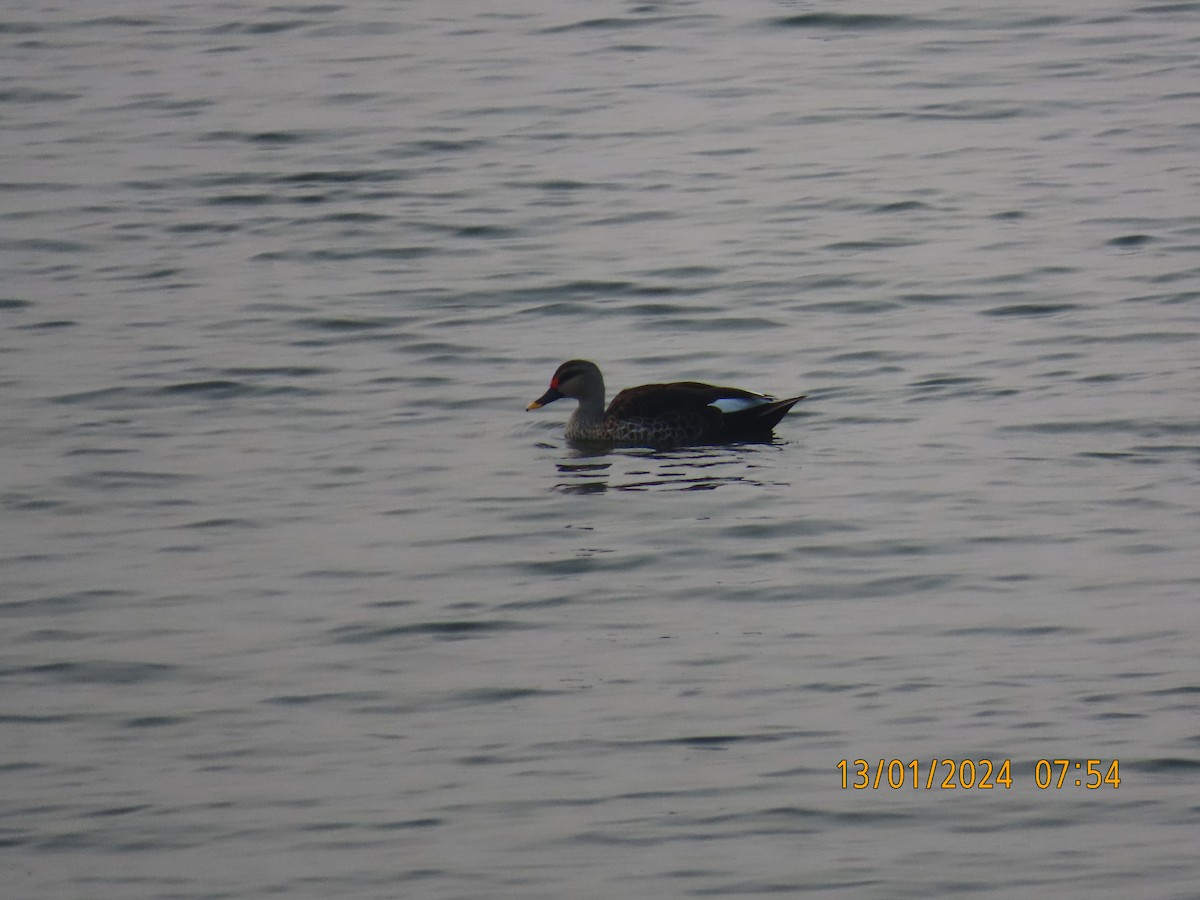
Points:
652	401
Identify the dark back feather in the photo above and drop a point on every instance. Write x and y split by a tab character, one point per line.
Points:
648	401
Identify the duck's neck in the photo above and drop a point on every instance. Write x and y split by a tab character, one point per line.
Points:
589	412
588	417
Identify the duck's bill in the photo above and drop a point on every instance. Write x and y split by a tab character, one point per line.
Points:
549	397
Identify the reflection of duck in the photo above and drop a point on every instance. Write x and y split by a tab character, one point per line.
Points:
660	414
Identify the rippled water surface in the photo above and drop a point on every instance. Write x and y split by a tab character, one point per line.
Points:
296	600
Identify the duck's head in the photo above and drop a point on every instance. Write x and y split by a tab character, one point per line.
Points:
576	378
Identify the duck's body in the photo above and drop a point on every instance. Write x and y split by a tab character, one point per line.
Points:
683	412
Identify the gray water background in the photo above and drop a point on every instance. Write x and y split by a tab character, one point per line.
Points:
295	599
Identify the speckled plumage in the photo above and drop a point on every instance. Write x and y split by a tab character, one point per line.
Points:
682	412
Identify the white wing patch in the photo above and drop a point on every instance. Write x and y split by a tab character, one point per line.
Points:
737	404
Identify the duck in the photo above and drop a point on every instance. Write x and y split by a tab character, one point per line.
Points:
682	412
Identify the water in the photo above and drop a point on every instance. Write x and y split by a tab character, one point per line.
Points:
296	599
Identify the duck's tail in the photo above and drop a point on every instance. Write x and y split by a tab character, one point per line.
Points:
759	418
